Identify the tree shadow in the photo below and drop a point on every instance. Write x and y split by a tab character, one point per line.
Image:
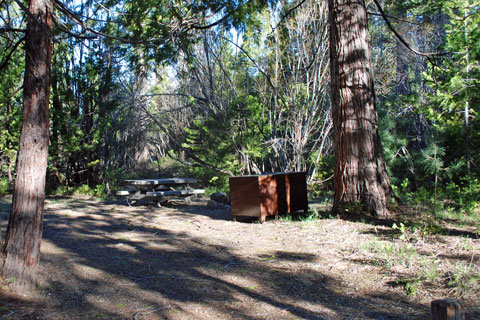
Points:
160	272
198	207
431	228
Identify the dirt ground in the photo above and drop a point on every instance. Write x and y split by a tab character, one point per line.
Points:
106	260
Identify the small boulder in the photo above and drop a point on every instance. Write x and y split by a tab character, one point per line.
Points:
212	204
220	197
226	207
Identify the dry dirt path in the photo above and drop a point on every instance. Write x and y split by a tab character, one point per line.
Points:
105	260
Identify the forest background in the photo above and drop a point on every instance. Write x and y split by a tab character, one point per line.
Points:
215	89
130	95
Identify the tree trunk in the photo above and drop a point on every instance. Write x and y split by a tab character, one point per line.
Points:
21	252
56	126
402	87
360	180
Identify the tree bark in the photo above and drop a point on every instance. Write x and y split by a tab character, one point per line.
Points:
21	251
360	177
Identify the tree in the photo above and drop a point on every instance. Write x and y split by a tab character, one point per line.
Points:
11	68
261	106
455	84
360	176
22	244
156	35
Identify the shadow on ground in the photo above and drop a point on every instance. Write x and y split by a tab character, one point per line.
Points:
165	274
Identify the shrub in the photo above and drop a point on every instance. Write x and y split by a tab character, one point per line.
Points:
5	186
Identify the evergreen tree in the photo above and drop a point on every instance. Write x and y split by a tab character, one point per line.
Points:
360	174
21	252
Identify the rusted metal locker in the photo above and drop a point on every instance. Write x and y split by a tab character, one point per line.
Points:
269	194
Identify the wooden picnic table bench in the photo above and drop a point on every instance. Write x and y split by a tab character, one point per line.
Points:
159	190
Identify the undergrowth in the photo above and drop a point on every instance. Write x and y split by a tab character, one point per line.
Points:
311	216
84	189
421	223
414	270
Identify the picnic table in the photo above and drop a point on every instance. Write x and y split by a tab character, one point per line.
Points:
159	190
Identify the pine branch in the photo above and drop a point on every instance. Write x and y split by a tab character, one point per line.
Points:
98	34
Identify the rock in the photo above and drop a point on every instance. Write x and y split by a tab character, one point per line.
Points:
226	207
212	204
220	197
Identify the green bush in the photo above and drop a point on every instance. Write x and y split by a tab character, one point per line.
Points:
84	189
5	186
100	190
467	195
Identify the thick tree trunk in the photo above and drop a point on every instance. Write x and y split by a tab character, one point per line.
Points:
21	252
360	177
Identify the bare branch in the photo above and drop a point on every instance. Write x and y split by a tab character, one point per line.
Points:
292	9
7	29
175	94
267	77
179	145
288	13
34	19
428	55
393	17
7	58
223	19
